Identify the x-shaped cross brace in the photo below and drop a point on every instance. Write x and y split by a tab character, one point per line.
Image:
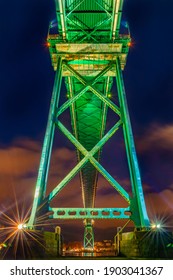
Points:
88	155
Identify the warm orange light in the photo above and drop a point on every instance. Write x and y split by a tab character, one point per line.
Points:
153	226
48	44
129	44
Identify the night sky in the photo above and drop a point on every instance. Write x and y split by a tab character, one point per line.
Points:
26	83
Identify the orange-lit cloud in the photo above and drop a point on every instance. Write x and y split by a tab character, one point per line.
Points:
19	165
156	136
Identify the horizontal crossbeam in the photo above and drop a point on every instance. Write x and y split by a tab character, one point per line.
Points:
90	213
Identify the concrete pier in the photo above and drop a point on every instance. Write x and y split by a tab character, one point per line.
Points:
53	243
144	244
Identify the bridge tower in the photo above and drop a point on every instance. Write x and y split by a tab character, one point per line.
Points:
89	53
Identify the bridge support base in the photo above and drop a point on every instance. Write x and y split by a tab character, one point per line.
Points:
53	244
45	245
144	244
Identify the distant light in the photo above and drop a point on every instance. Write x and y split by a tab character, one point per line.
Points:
129	44
156	226
20	226
109	95
48	44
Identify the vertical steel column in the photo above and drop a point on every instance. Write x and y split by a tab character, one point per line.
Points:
88	235
137	203
47	147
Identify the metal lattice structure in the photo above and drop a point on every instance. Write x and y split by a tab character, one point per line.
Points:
89	53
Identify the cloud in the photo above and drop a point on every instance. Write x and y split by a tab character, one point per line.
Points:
155	151
19	158
156	137
19	164
160	206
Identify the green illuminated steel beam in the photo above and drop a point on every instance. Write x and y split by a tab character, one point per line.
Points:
81	29
86	88
74	5
88	235
41	183
90	34
88	156
68	178
106	100
137	202
116	18
60	11
90	213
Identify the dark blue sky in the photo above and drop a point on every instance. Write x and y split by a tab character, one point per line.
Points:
26	83
27	77
26	73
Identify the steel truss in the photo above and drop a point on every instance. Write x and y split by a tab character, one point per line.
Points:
89	67
136	210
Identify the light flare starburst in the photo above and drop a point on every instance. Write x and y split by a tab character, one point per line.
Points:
15	237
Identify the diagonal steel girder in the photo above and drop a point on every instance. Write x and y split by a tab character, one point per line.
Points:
86	33
88	156
74	8
77	135
95	29
102	7
89	86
